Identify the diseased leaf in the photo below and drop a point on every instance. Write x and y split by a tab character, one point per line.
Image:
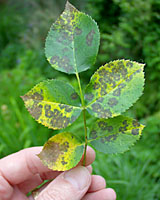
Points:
62	152
115	135
53	103
114	87
73	41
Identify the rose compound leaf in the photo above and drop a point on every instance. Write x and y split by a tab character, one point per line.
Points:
72	42
53	103
115	135
62	152
114	87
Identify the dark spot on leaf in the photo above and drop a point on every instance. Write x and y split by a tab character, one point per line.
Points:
100	100
110	128
64	146
74	96
112	102
102	125
78	31
89	96
96	107
89	37
73	118
109	138
135	132
54	60
63	162
117	92
129	78
68	109
122	85
122	129
48	112
37	96
125	122
135	123
93	134
96	86
129	64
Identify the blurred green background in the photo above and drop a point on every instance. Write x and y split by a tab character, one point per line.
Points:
130	30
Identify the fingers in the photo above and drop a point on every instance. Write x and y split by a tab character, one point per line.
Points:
105	194
25	164
71	184
97	183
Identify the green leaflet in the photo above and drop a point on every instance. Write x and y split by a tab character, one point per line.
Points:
62	152
114	87
53	103
115	135
73	41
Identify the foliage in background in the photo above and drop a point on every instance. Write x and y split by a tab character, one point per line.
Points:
130	29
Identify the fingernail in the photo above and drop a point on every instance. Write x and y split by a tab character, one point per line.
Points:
79	177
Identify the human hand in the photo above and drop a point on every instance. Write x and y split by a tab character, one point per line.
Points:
23	171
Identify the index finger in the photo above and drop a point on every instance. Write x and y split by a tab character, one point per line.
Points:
21	166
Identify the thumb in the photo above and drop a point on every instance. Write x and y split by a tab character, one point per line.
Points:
70	185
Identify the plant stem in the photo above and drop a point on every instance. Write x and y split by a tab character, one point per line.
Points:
84	117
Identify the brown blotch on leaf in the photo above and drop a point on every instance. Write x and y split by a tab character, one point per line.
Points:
135	131
50	153
36	110
89	37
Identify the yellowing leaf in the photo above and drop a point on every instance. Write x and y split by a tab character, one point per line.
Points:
62	152
115	135
53	103
114	88
72	42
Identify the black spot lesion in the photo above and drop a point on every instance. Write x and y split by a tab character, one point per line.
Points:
100	111
63	62
63	162
135	123
112	102
129	64
124	127
74	96
78	31
36	110
89	37
48	112
89	96
104	126
93	134
65	146
110	138
117	92
135	131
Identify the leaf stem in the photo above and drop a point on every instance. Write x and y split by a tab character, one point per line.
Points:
84	117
